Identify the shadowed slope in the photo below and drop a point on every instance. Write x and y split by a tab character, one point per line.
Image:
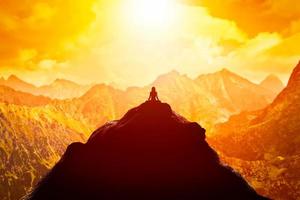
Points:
151	153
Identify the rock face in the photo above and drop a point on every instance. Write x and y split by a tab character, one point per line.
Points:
151	153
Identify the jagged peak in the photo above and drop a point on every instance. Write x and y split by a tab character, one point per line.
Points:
16	80
102	85
271	78
174	71
172	75
224	73
98	88
227	72
64	82
272	83
13	77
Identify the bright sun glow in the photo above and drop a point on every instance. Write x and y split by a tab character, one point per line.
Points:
151	13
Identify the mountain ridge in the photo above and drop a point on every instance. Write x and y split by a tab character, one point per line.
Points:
196	100
269	138
11	96
233	91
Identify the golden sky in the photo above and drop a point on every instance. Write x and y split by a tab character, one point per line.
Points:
131	42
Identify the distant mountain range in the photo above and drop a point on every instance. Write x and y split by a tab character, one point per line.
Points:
209	99
37	123
265	145
59	89
235	93
11	96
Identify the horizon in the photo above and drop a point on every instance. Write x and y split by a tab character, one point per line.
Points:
145	85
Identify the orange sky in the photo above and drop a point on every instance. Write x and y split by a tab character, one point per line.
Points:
130	42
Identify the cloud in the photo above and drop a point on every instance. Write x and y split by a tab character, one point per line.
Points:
47	64
288	47
254	16
43	26
93	40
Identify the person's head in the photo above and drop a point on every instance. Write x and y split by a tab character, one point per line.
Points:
153	89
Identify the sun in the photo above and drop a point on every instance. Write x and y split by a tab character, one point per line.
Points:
151	13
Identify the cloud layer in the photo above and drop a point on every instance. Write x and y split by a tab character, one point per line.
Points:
95	41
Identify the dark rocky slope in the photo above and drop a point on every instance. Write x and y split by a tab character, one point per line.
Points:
151	153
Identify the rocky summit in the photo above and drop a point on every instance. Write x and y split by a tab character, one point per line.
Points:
150	153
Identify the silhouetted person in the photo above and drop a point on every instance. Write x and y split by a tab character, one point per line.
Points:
153	95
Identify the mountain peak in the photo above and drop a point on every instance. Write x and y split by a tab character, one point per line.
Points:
169	77
172	73
271	77
150	153
18	84
64	82
224	74
14	78
272	83
99	89
227	72
60	80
